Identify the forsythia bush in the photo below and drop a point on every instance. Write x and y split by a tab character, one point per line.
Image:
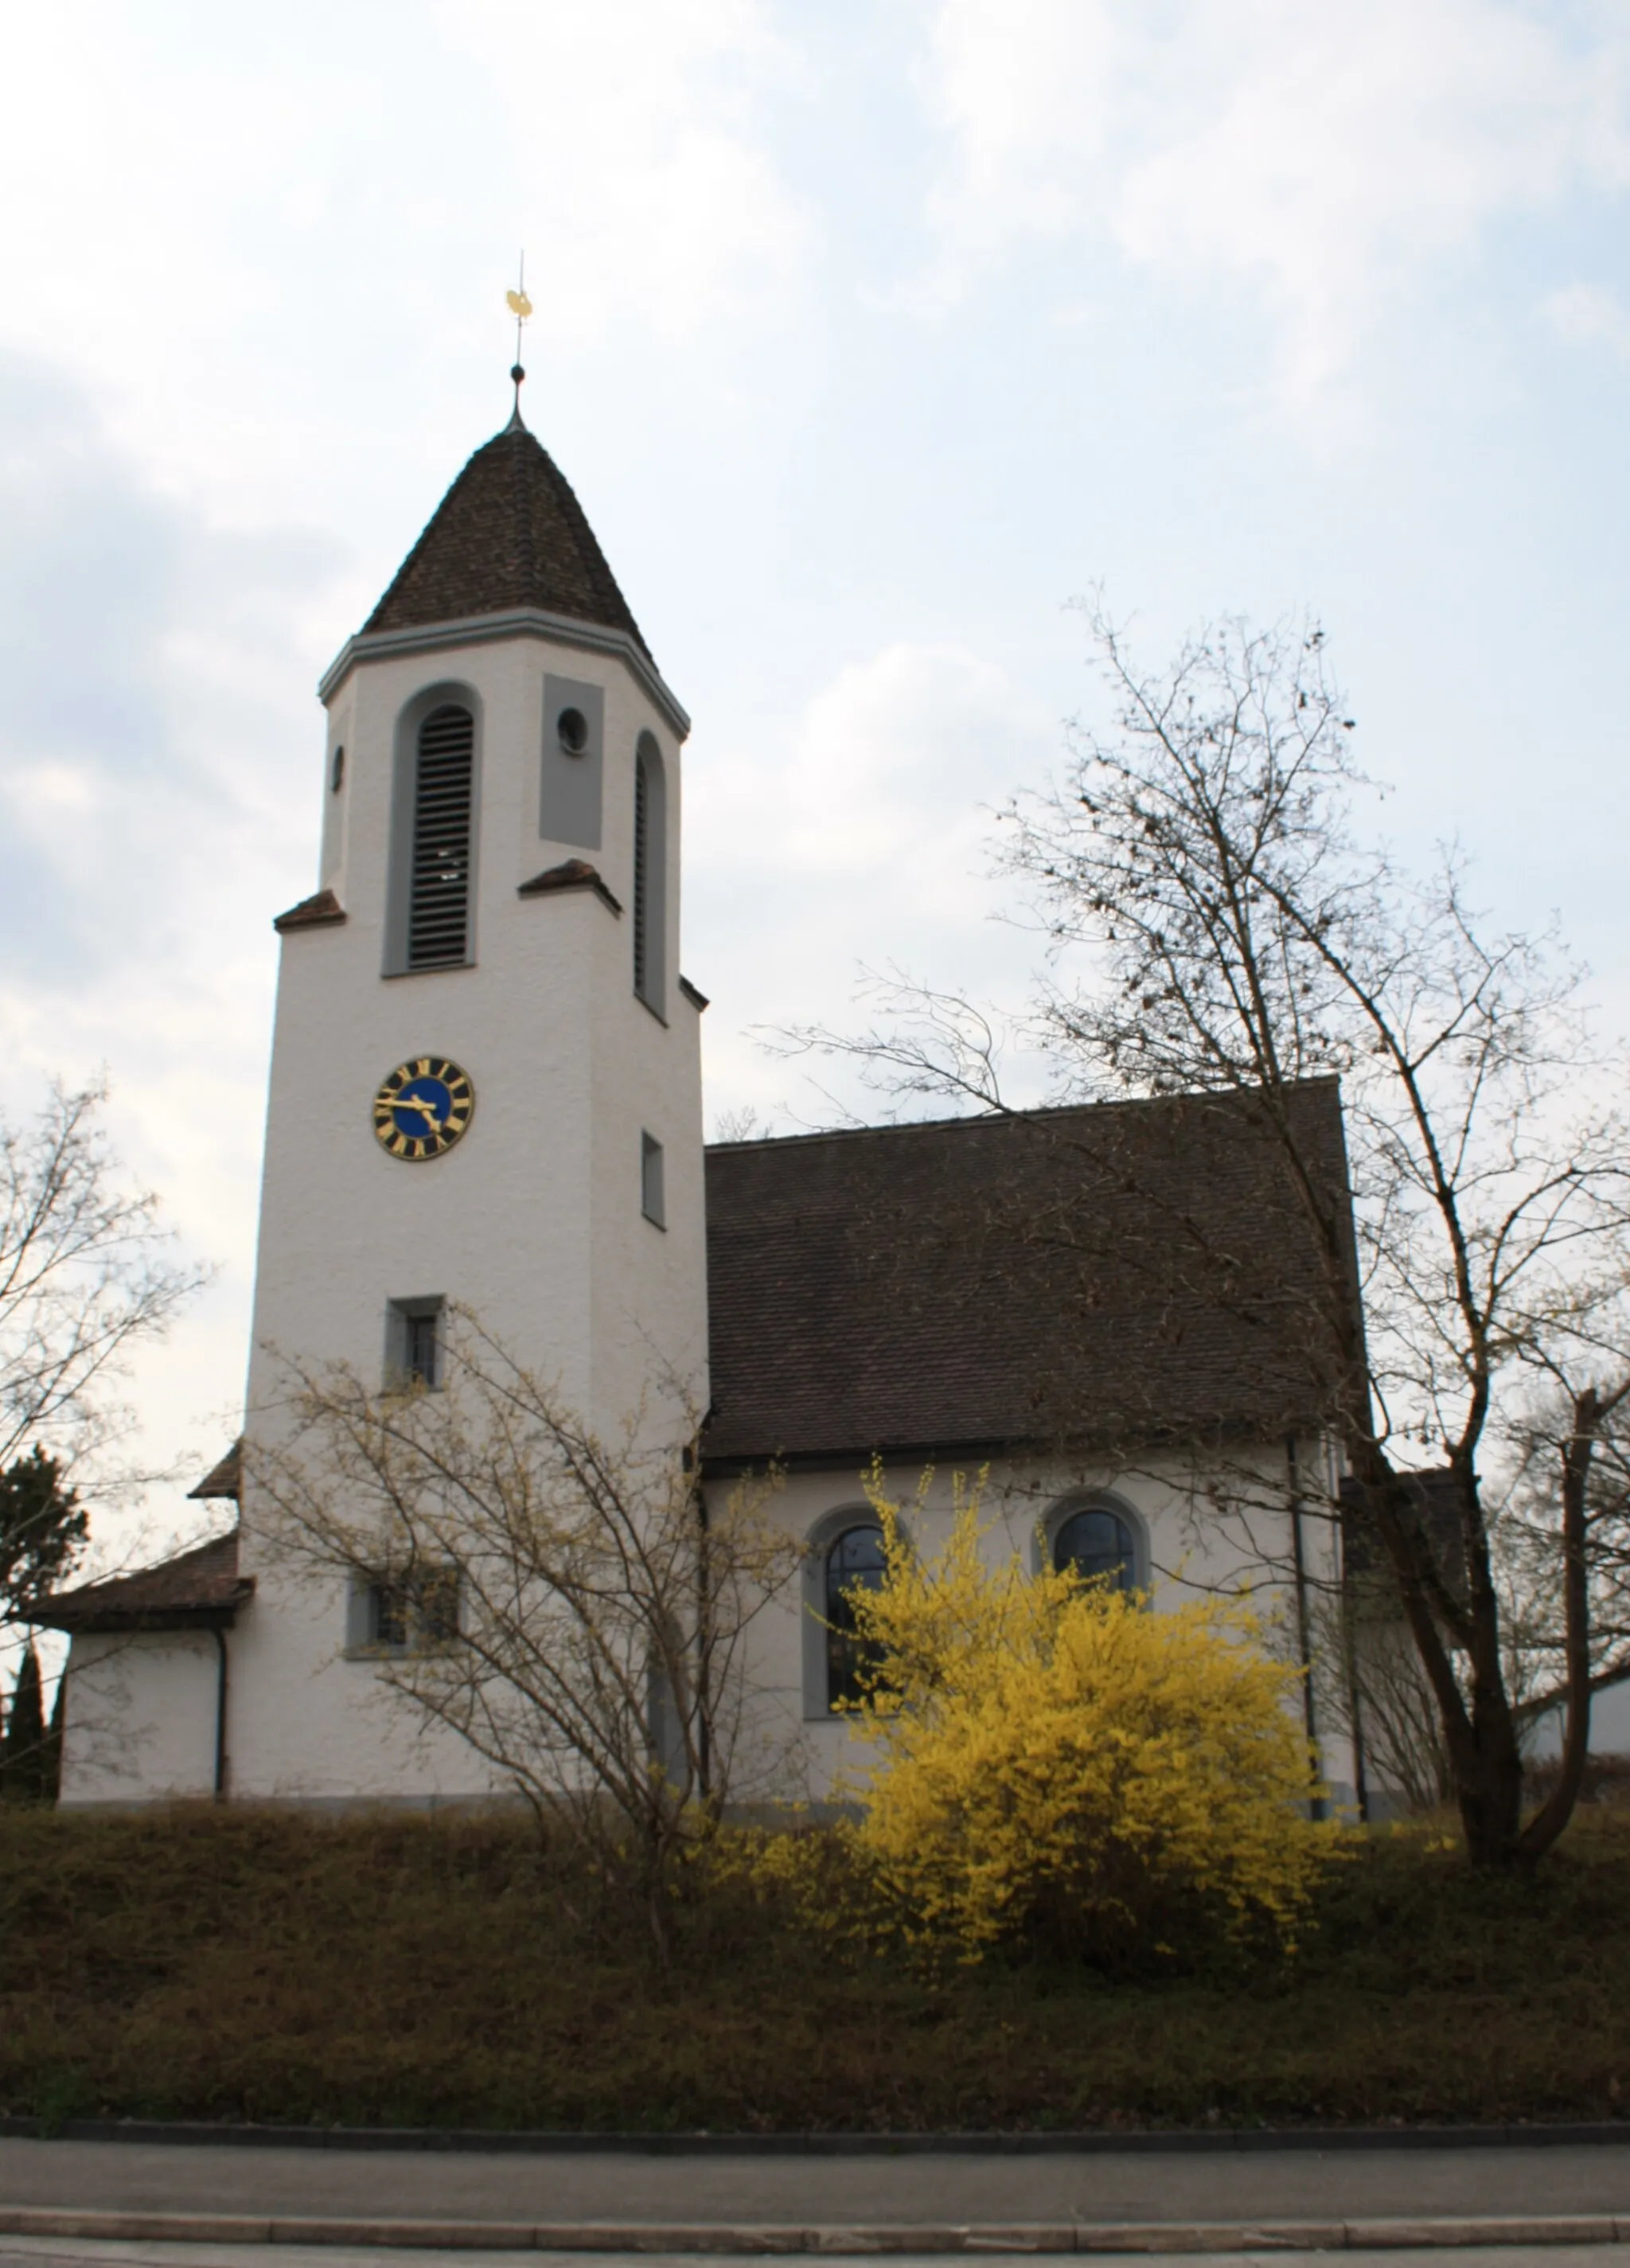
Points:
1048	1759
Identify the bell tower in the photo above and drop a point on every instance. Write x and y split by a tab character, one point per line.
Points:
486	1079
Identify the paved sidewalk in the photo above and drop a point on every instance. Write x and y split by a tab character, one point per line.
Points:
18	2252
565	2187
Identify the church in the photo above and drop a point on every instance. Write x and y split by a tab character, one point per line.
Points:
486	1090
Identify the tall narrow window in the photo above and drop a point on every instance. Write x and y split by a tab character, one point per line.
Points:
413	1344
651	1203
1097	1544
641	873
438	887
650	864
420	1363
855	1562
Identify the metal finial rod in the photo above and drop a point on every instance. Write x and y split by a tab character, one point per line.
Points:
520	307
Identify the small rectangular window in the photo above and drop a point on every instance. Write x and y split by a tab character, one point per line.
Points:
412	1613
413	1344
650	1181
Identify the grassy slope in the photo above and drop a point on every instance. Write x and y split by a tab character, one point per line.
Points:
391	1970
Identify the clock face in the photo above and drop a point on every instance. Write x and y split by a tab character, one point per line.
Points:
423	1106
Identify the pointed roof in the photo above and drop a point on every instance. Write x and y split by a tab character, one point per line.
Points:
509	533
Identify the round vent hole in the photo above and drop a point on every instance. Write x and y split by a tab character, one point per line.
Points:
573	727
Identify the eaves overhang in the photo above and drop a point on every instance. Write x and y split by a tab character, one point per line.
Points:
487	629
88	1617
1119	1445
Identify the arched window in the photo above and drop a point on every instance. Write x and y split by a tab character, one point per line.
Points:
651	867
1099	1543
855	1562
438	879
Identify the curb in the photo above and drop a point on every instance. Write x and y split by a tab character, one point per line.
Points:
545	2142
1372	2235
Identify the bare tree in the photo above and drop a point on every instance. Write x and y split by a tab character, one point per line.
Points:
571	1607
1564	1526
86	1278
1216	928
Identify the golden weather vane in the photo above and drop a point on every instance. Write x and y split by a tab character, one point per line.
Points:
520	307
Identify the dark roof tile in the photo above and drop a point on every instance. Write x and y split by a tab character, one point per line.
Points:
570	874
198	1589
321	911
509	533
1132	1271
225	1478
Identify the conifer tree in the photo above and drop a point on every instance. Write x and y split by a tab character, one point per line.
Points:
42	1528
23	1773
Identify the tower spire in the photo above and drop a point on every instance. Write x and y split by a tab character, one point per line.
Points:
520	307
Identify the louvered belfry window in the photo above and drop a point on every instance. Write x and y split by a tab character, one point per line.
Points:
642	876
438	889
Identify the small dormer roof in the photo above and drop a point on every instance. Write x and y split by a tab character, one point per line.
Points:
509	533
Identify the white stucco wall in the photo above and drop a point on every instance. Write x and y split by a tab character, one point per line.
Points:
1188	1551
533	1219
1610	1727
139	1718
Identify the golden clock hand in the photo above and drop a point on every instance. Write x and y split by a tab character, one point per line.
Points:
413	1102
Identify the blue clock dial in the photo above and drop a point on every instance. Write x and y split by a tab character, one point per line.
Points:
421	1110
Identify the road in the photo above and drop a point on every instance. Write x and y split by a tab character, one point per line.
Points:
623	2186
18	2253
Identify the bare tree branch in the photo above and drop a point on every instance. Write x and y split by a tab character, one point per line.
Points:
570	1607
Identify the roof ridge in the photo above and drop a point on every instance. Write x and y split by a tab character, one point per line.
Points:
1008	1117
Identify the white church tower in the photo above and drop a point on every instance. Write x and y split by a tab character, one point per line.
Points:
485	1083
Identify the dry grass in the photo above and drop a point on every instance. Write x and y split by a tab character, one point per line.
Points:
393	1971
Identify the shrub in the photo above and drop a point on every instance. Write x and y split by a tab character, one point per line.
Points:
1048	1761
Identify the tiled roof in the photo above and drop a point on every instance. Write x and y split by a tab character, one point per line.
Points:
570	874
321	911
225	1478
199	1589
509	533
1123	1271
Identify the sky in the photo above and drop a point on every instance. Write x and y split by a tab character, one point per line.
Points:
870	336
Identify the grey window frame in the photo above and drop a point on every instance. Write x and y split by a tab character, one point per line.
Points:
571	782
401	1317
447	693
653	1191
826	1532
373	1595
1096	1500
650	871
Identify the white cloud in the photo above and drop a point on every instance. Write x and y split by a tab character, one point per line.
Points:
1327	158
158	762
867	843
266	239
644	176
1589	315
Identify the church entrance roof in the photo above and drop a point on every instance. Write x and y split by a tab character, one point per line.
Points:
509	534
199	1589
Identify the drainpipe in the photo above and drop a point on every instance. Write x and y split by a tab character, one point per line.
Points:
220	1713
1304	1635
1355	1706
